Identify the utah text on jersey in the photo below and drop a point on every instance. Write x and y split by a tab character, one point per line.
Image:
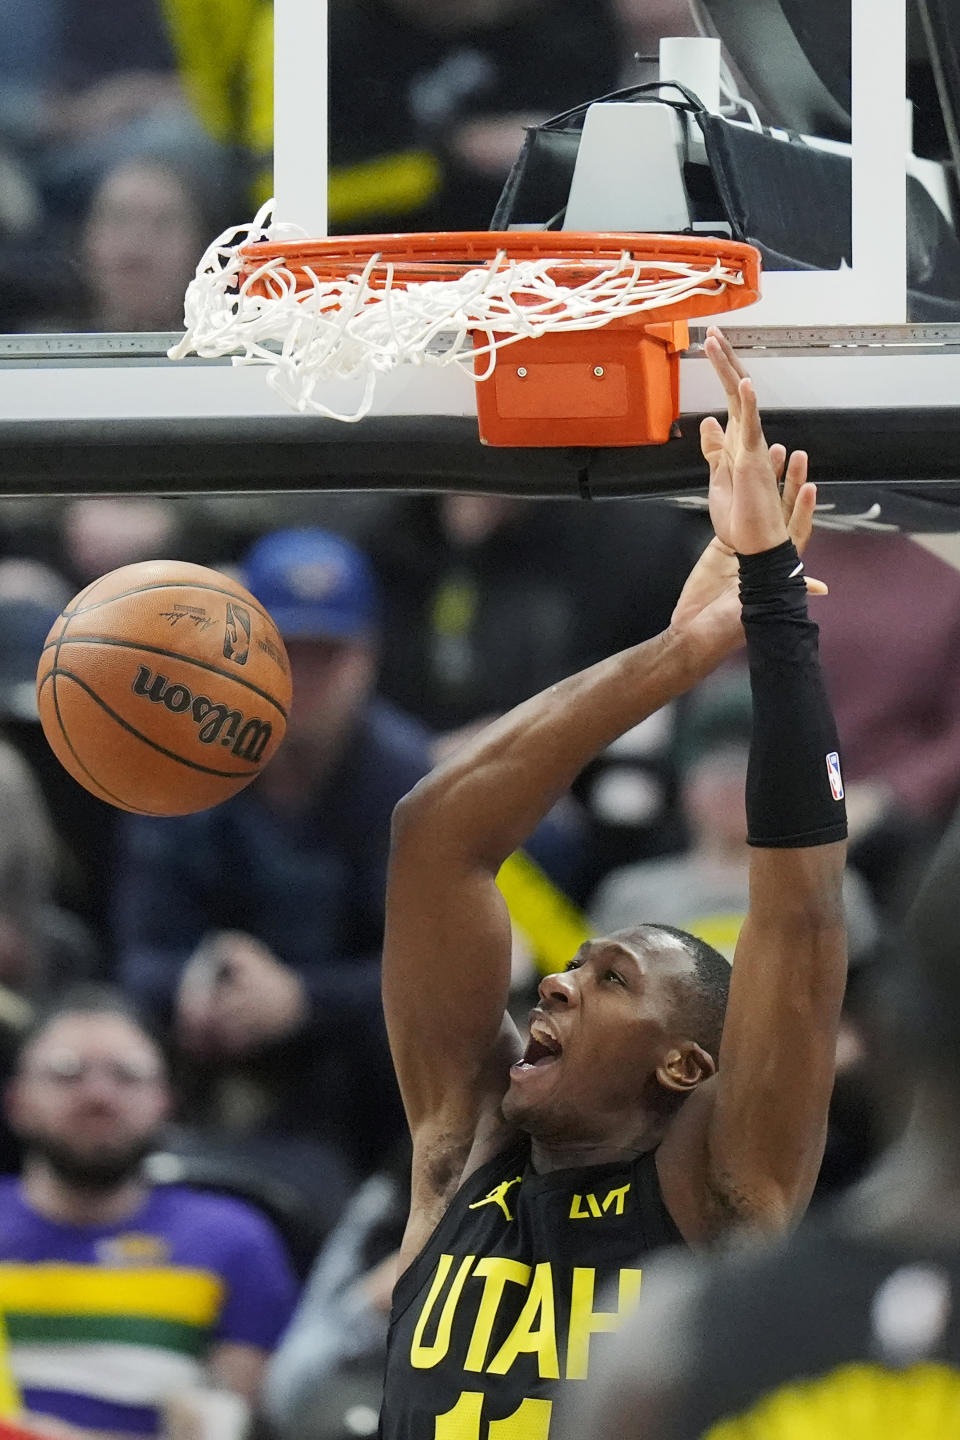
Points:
486	1286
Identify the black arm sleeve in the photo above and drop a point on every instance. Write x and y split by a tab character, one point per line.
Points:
794	787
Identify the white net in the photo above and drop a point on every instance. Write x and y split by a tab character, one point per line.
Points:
361	325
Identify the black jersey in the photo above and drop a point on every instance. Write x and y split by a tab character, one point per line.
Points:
831	1337
510	1295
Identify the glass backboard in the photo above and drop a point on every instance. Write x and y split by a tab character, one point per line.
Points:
831	342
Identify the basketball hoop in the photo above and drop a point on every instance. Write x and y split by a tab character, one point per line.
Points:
573	339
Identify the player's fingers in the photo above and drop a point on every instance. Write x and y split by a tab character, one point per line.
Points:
794	481
711	439
778	459
798	469
732	358
727	373
752	429
800	524
816	587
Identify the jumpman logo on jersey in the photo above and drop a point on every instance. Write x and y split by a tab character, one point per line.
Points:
498	1196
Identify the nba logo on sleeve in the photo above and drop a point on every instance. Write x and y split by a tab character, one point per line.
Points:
833	773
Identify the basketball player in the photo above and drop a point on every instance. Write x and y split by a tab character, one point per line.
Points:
545	1167
852	1330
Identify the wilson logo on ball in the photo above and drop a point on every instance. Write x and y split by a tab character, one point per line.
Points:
246	738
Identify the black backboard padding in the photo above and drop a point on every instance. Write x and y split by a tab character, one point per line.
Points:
263	454
905	460
787	197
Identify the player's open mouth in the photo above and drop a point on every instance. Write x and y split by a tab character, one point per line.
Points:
543	1048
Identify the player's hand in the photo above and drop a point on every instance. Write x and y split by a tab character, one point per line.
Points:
746	506
235	996
716	573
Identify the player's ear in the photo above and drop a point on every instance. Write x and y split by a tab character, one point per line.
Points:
685	1066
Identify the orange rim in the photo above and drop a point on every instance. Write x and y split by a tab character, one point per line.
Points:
446	255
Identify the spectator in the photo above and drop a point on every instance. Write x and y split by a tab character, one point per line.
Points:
28	39
144	225
471	74
427	101
29	36
896	688
224	53
31	597
488	597
87	86
42	945
26	33
144	232
113	92
897	685
326	1378
118	1296
101	534
254	929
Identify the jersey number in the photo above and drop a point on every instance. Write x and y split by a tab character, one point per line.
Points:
530	1421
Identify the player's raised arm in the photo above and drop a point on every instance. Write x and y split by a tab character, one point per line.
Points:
748	1145
446	963
446	967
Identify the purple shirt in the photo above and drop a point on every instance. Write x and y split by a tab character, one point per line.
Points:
105	1321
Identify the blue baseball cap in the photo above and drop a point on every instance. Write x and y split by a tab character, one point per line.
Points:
315	585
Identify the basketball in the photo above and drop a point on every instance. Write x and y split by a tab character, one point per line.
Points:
164	687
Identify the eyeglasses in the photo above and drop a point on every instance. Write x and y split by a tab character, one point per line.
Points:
71	1070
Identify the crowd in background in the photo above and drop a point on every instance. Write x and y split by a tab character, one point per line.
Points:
249	936
131	135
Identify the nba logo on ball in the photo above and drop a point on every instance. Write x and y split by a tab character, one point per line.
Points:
236	640
833	773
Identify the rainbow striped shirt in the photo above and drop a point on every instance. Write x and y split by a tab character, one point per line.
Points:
105	1322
